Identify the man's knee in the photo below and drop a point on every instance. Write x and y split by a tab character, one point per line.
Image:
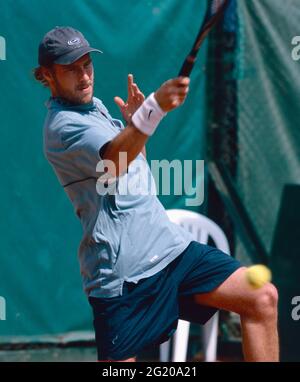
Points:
264	303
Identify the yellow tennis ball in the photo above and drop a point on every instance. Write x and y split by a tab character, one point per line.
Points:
258	275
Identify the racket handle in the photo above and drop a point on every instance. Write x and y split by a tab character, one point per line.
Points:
187	67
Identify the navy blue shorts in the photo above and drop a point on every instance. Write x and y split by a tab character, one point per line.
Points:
147	312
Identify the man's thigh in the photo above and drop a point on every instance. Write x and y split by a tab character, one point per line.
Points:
209	269
234	294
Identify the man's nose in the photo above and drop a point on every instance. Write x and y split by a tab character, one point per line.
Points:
83	74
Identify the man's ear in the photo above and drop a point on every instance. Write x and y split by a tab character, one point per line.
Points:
48	75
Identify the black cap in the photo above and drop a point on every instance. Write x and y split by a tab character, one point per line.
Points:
63	45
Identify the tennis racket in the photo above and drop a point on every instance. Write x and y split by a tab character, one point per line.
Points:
214	13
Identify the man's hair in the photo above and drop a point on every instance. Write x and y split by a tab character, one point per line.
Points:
39	75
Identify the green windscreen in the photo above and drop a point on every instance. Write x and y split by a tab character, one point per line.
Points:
39	271
254	144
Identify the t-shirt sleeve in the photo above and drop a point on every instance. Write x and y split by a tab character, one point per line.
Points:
83	143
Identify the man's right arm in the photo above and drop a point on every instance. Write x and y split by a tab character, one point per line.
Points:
131	140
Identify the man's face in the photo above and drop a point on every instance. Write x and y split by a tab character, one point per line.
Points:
74	82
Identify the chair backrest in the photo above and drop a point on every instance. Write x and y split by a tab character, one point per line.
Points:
201	228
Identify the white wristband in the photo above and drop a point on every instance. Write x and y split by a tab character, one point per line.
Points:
148	116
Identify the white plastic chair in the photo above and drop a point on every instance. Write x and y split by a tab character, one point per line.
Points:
201	228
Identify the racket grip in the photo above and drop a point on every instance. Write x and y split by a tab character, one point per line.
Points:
187	67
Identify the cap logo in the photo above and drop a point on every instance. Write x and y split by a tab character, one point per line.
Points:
74	41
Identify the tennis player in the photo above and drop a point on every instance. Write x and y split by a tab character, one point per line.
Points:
140	272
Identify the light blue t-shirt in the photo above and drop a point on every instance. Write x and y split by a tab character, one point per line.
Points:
126	237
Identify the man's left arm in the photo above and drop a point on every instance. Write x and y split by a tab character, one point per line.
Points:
134	101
